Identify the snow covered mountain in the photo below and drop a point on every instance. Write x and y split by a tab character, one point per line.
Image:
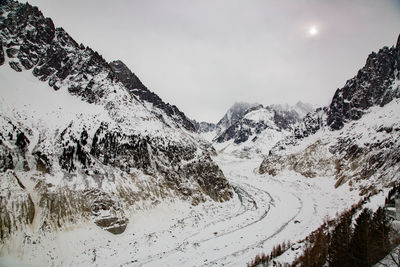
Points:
84	140
356	138
210	131
234	113
254	128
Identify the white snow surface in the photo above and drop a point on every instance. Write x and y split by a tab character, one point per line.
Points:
261	114
264	212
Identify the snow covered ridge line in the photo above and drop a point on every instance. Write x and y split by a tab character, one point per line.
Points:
85	145
355	139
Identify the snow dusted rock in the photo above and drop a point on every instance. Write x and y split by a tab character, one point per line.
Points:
255	120
302	109
372	86
252	128
235	113
257	129
86	139
355	138
311	123
206	127
135	86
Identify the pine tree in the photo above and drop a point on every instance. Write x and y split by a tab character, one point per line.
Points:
360	245
380	229
338	251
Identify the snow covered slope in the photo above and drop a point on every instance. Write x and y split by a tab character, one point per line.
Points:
256	129
77	145
355	139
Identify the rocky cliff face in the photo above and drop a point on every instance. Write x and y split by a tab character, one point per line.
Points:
354	139
372	86
86	140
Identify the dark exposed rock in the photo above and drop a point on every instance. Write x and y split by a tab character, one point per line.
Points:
398	45
11	52
2	59
22	141
370	87
112	224
42	162
15	66
311	123
108	214
286	119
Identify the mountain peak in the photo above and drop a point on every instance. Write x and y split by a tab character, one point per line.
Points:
235	113
136	87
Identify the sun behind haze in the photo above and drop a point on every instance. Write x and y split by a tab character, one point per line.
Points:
313	31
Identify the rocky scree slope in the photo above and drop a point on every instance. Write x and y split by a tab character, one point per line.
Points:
79	142
356	138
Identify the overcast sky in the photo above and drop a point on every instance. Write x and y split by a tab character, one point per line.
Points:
204	55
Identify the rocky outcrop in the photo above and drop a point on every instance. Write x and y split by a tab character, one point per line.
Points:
372	86
311	123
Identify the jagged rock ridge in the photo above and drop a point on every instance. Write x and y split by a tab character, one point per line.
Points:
135	86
